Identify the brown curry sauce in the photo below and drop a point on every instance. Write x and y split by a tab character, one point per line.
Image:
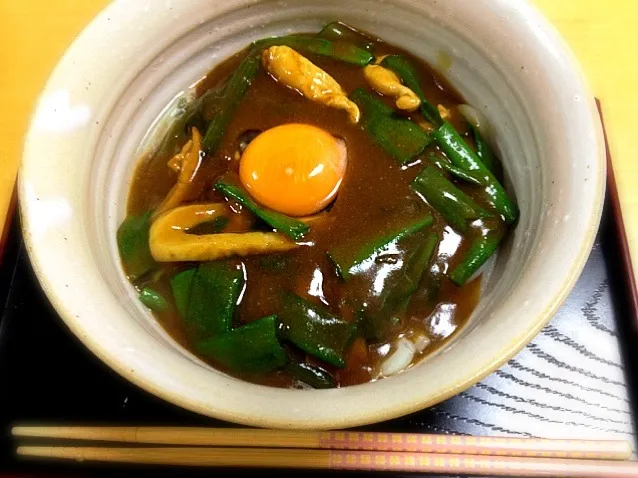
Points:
374	196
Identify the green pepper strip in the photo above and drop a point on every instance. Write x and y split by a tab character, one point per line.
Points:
451	142
348	258
132	242
419	247
153	300
399	137
214	293
234	92
377	324
461	155
251	348
181	285
341	51
430	279
287	225
337	31
481	249
422	258
468	176
315	330
455	206
483	149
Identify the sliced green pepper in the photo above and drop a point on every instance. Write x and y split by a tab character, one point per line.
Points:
132	241
451	142
341	51
404	69
422	257
336	31
293	228
349	258
371	106
431	282
251	348
310	375
481	249
468	176
315	330
234	92
418	249
181	285
461	155
153	299
379	325
455	206
400	137
379	317
214	293
483	149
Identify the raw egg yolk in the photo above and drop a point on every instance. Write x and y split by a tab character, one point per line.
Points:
294	169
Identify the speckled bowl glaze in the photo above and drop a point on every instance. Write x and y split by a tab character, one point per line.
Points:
123	69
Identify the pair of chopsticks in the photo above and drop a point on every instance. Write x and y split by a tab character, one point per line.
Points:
337	450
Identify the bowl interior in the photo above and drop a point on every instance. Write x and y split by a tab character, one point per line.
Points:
130	63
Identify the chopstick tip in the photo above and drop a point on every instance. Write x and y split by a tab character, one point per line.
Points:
22	450
38	451
25	431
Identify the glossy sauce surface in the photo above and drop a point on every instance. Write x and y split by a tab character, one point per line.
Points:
374	197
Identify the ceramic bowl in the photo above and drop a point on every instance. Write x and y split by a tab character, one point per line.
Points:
118	75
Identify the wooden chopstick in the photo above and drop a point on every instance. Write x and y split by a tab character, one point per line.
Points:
336	440
342	460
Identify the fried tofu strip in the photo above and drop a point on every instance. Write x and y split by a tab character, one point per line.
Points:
297	72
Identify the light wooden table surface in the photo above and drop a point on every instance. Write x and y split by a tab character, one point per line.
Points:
34	33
